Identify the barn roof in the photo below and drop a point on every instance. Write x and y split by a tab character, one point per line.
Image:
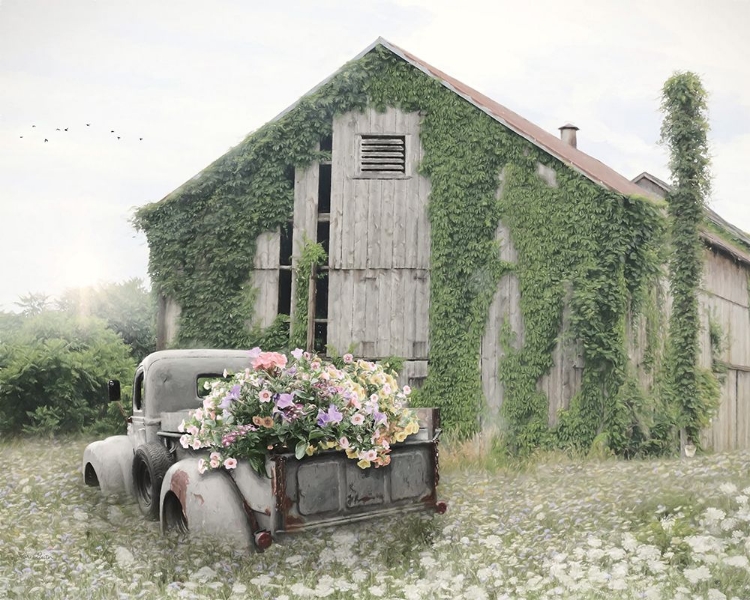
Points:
592	168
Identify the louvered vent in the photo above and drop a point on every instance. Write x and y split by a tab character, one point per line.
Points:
382	155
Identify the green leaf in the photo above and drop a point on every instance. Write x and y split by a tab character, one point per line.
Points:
300	448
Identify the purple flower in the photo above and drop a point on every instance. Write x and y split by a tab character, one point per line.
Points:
255	352
332	415
285	401
234	394
380	417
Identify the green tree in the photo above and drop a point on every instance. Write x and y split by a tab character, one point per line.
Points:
54	370
128	308
685	133
33	303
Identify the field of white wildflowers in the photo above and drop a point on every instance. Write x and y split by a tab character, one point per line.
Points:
557	529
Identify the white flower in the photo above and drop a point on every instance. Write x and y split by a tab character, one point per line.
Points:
728	489
716	595
376	590
740	562
714	515
697	575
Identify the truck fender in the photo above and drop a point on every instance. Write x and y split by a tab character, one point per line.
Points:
207	505
108	464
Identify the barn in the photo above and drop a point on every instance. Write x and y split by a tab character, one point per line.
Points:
398	214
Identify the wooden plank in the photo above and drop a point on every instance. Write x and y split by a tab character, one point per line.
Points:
339	175
370	305
397	346
422	321
743	410
385	282
358	307
423	223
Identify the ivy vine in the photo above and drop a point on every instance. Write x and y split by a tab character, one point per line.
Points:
581	249
685	133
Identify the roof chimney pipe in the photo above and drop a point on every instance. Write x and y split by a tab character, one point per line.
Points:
568	134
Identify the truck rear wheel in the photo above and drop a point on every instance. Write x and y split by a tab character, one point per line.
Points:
150	464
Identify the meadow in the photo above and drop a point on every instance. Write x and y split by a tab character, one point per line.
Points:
551	528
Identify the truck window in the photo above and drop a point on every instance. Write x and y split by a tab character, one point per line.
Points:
138	391
202	392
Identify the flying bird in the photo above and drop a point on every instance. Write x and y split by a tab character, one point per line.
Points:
112	131
33	125
46	140
58	129
140	139
88	124
66	129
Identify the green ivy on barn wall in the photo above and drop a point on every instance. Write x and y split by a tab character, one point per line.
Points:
580	248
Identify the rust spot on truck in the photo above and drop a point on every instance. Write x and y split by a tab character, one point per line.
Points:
178	485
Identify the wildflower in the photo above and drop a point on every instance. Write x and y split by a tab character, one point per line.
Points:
233	395
230	463
331	416
697	575
269	361
285	401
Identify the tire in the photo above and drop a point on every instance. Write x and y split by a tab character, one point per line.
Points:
150	464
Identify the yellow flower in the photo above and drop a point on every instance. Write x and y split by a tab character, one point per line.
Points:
412	427
351	453
363	464
310	450
400	436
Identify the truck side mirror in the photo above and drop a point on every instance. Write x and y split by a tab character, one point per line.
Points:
113	390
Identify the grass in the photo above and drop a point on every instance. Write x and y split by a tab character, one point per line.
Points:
554	528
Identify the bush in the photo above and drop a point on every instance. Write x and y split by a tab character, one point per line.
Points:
54	370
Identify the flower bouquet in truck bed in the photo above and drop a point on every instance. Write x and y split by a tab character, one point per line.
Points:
306	404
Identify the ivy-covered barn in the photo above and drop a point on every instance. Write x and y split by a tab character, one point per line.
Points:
394	212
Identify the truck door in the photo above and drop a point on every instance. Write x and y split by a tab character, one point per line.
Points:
137	427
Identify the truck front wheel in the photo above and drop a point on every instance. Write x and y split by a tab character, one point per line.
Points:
150	464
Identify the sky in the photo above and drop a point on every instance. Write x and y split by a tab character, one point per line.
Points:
193	78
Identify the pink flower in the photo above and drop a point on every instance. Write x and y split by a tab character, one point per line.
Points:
215	456
184	441
201	466
407	390
215	464
344	443
265	396
387	389
193	430
181	426
297	353
269	361
315	365
348	358
196	444
198	414
374	398
253	353
358	419
371	455
230	463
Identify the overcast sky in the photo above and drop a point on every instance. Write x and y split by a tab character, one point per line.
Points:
192	78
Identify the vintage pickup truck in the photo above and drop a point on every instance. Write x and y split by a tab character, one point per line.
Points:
240	506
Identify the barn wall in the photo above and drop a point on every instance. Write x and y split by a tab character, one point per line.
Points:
379	276
724	298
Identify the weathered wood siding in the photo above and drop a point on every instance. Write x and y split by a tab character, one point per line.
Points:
379	276
265	279
724	299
